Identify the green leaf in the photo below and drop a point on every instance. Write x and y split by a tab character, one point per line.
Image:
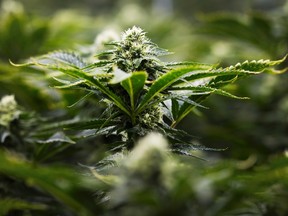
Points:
68	84
134	84
63	183
81	99
57	137
187	100
77	124
162	83
175	108
100	63
232	73
52	146
258	66
196	75
203	66
8	204
94	82
206	90
68	58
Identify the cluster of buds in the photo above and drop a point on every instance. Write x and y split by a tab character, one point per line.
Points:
8	110
151	117
135	52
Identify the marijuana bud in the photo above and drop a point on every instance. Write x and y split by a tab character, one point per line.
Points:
8	110
135	52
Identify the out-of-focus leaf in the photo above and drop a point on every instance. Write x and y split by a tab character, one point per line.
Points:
8	204
62	183
57	137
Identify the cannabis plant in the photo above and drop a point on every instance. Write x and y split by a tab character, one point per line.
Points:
140	92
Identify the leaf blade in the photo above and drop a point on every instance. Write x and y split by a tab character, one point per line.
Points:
162	83
134	84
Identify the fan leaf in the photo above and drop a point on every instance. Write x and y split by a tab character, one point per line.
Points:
162	83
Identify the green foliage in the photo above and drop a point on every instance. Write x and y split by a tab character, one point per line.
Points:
117	91
139	90
9	204
63	183
151	182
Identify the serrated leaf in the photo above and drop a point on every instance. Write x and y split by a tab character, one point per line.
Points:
68	84
206	90
238	70
106	52
196	75
194	147
100	63
199	65
57	137
106	131
162	83
94	82
186	153
69	58
8	204
186	108
90	124
189	101
134	84
257	66
220	75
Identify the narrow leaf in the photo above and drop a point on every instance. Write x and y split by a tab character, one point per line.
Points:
8	204
94	82
134	85
100	63
199	65
162	83
69	58
57	137
259	65
90	124
195	75
175	108
206	90
81	99
68	84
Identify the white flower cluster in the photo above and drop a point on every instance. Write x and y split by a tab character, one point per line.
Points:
152	116
8	110
145	150
135	52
